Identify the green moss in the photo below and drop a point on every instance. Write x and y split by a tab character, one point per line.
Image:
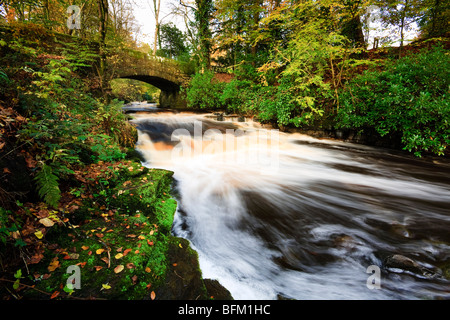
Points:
136	236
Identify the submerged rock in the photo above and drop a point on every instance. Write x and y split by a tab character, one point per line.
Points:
399	264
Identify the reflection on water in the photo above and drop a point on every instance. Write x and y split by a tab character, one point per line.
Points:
286	215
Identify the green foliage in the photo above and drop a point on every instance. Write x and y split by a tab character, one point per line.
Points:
409	97
235	95
129	90
204	92
172	42
48	187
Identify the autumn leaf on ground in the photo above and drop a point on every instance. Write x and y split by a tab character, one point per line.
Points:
99	251
153	295
105	286
38	234
54	264
130	265
71	256
148	270
98	268
84	247
105	260
126	252
119	256
46	222
119	268
54	295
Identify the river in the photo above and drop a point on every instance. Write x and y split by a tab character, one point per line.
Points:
284	215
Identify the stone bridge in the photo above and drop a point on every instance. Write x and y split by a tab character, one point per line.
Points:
165	74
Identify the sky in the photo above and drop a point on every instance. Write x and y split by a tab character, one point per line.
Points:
145	17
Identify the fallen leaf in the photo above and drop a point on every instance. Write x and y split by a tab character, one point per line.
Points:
150	243
100	235
152	232
84	247
105	260
98	268
72	256
119	256
54	295
148	286
175	264
153	295
38	234
106	286
130	265
6	170
141	237
46	222
99	251
119	268
36	258
119	249
148	270
126	252
136	252
53	265
134	278
180	245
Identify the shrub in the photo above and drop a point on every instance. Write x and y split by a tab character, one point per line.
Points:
410	97
204	92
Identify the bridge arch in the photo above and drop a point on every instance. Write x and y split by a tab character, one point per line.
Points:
164	74
156	81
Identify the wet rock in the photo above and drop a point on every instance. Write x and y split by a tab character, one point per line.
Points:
216	290
399	263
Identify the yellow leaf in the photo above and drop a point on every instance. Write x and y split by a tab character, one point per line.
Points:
106	286
119	268
141	237
180	245
119	256
99	251
38	234
148	270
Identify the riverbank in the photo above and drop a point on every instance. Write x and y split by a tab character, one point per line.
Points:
113	227
73	193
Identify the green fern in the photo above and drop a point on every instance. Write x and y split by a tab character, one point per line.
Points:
48	187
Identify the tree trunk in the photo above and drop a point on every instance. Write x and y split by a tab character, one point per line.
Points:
157	6
103	24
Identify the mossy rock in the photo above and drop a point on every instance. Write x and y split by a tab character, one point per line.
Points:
121	249
122	245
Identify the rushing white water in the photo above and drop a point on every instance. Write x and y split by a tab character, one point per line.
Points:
286	215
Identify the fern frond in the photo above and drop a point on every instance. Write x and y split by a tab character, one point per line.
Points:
48	187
